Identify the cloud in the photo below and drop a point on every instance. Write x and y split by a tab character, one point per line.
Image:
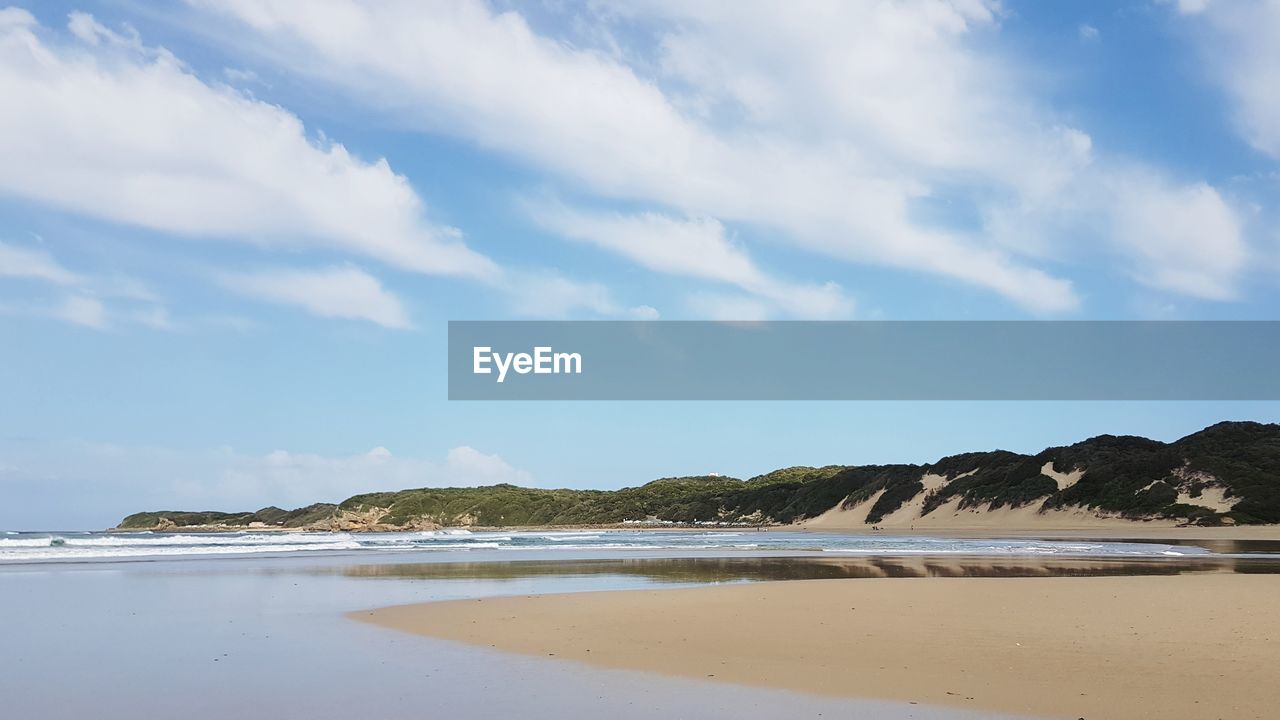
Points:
95	484
335	292
159	148
550	294
243	77
155	317
1192	7
709	123
292	479
728	307
23	262
39	264
827	137
132	301
165	150
694	247
1185	239
82	310
1240	49
1088	32
465	465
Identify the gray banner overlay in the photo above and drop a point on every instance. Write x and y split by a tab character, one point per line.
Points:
943	360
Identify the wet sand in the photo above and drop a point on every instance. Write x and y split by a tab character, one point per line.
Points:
1183	646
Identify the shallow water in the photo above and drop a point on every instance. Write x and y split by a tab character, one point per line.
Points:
773	568
105	547
208	636
266	637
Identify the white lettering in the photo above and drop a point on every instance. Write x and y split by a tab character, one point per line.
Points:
480	361
503	367
543	361
572	363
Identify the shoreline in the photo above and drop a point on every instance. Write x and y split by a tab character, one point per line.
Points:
1187	646
1109	530
1137	530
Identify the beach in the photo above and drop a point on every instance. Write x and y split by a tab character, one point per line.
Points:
679	623
267	636
1185	646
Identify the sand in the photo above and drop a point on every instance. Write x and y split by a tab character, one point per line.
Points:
950	518
1020	523
1188	646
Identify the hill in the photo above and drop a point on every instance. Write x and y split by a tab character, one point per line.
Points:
1228	473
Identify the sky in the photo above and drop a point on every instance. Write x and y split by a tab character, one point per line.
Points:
232	231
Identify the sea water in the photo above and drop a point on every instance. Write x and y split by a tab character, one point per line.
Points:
268	637
104	547
200	626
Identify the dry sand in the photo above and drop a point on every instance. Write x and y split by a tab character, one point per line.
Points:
1189	646
950	519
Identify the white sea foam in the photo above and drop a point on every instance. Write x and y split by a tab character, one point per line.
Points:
463	546
100	553
37	547
130	540
23	542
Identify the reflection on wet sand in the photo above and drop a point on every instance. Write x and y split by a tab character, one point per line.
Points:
742	569
1221	546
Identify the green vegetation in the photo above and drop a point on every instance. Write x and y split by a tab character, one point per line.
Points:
269	516
1131	476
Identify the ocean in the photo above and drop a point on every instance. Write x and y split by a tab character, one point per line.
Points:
200	626
86	546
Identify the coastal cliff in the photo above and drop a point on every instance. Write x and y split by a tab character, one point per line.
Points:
1226	474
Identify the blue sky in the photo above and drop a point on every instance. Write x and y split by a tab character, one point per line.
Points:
231	233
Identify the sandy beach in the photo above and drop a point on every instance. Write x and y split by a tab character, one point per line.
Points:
1189	646
1050	528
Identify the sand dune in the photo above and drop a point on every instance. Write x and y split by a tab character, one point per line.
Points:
951	517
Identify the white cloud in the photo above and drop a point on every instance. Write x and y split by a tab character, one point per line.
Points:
694	247
104	481
85	305
829	137
549	294
1185	239
825	125
238	75
23	262
155	317
1241	49
1088	32
465	465
715	116
1192	7
337	292
116	131
164	149
290	479
728	307
39	264
82	310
